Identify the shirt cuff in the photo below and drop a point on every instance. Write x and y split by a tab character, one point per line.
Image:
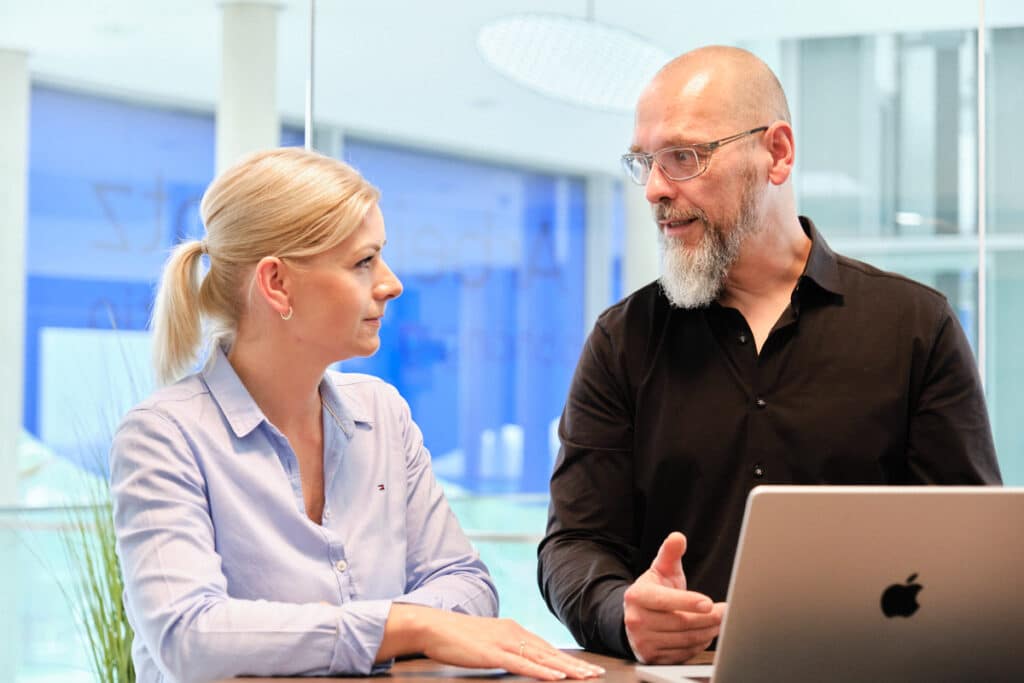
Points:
360	632
454	594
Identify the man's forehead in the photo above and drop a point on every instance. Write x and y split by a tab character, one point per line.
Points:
673	124
678	107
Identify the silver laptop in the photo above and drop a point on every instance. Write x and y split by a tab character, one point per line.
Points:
864	583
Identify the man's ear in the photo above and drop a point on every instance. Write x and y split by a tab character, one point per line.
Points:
779	137
272	282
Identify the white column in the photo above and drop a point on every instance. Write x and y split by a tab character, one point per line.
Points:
14	102
640	256
247	117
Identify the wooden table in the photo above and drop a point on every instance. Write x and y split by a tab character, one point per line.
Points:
429	671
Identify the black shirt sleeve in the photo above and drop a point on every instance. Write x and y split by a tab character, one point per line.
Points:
588	558
949	440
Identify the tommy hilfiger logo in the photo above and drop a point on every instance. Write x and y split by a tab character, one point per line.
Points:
380	487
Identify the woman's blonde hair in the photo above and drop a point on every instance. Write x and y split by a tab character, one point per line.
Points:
285	202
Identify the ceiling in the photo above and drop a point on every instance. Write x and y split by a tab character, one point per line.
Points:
411	72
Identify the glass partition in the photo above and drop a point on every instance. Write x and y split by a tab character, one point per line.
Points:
1004	214
45	641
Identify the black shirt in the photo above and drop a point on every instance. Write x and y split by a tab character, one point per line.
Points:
673	417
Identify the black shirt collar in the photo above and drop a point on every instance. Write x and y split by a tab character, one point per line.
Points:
822	266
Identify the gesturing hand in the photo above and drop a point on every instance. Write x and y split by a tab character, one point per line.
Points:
665	623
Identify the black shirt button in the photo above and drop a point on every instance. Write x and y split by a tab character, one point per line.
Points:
761	403
742	339
758	471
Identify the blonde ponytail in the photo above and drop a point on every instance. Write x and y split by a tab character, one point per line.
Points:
176	323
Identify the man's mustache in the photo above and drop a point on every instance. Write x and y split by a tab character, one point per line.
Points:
667	213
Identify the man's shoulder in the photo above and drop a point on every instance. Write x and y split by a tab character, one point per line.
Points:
870	279
643	307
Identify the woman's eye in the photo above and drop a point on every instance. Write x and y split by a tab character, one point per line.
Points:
365	263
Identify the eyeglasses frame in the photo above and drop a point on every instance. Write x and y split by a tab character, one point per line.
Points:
702	150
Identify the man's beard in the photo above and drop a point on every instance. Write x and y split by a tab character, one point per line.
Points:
692	277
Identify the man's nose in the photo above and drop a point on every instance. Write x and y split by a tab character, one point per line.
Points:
658	188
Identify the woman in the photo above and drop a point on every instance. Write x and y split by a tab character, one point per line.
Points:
274	517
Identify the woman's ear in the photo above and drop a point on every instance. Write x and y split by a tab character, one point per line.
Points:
782	149
272	282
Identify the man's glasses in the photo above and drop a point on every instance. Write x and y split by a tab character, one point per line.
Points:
678	163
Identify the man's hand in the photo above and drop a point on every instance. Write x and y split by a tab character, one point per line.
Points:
665	623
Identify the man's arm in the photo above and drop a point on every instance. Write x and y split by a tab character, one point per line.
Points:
949	437
587	559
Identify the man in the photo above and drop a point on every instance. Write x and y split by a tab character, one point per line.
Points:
759	357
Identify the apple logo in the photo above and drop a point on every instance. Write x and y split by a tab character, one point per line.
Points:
900	600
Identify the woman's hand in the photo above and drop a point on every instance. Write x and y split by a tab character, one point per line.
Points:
477	642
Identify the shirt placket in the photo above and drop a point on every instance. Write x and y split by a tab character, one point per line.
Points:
756	373
336	441
338	562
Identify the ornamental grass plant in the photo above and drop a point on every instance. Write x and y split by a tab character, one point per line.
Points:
98	585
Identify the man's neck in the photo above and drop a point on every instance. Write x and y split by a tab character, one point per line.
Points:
761	282
769	265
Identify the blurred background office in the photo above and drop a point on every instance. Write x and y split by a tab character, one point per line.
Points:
494	130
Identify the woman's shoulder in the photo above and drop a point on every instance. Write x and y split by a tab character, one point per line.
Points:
172	401
184	390
366	395
359	384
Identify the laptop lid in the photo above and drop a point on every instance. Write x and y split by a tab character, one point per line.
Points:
846	583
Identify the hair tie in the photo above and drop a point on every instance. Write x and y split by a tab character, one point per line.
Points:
203	249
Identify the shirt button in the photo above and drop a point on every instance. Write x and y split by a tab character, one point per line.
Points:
761	403
742	339
327	514
341	565
758	470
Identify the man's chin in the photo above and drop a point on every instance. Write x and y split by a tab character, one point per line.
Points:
688	295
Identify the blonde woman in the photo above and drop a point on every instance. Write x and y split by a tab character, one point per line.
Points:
274	517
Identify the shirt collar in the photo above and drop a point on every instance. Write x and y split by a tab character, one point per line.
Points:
242	413
230	395
822	266
344	407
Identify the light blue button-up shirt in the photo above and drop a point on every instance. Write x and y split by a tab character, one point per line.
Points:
225	574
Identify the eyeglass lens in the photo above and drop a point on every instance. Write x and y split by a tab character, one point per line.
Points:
677	164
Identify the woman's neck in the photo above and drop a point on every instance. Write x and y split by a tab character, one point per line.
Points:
285	389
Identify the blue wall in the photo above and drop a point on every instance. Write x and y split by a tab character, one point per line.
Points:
485	336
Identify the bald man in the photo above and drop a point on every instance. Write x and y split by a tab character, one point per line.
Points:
759	356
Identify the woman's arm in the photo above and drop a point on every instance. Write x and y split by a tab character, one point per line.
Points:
450	593
443	568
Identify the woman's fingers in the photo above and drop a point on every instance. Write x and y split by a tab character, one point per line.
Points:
550	664
572	667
